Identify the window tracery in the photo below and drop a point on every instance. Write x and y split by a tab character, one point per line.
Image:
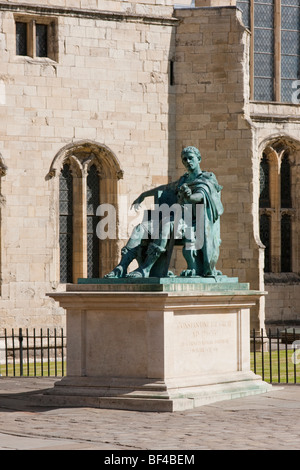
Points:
276	208
88	174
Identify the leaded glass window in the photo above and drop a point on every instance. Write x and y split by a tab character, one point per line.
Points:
265	236
41	31
290	47
93	194
264	50
244	6
21	38
285	182
286	239
264	200
276	209
275	46
66	224
37	37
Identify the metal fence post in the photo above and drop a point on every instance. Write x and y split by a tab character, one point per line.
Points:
262	354
21	351
254	350
2	352
270	354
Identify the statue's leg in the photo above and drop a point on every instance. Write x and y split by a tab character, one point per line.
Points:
155	250
128	252
190	255
153	253
121	269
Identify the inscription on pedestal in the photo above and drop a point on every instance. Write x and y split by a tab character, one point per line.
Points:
207	340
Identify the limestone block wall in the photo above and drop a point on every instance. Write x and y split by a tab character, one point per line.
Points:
212	95
109	85
273	123
129	6
282	303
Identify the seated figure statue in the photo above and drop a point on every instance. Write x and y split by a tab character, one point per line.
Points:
152	247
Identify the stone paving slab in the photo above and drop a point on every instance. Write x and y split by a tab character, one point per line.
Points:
270	421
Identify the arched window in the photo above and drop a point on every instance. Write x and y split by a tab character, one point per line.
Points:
66	224
276	209
88	175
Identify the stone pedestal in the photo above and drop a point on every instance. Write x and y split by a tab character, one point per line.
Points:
157	344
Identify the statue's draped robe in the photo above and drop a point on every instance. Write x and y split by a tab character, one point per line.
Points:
207	185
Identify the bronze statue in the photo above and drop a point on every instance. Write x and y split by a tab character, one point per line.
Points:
152	246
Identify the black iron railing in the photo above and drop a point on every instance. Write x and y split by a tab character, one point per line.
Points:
25	353
276	356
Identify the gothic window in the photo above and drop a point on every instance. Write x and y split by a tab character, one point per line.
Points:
275	48
88	175
276	209
93	193
66	224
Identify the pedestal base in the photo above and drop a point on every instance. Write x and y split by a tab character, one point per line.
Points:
169	346
138	395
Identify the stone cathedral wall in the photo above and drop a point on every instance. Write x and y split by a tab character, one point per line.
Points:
108	84
212	80
136	81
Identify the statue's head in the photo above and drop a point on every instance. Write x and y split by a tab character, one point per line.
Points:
191	149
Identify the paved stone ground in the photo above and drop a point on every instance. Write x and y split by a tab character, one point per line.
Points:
270	421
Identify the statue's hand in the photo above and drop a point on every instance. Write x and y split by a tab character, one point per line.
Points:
137	202
185	193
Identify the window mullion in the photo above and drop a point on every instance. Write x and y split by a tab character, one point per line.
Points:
79	228
84	225
31	38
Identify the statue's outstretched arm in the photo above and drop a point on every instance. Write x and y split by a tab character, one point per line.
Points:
151	192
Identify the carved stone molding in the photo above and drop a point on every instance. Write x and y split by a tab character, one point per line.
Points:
81	155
